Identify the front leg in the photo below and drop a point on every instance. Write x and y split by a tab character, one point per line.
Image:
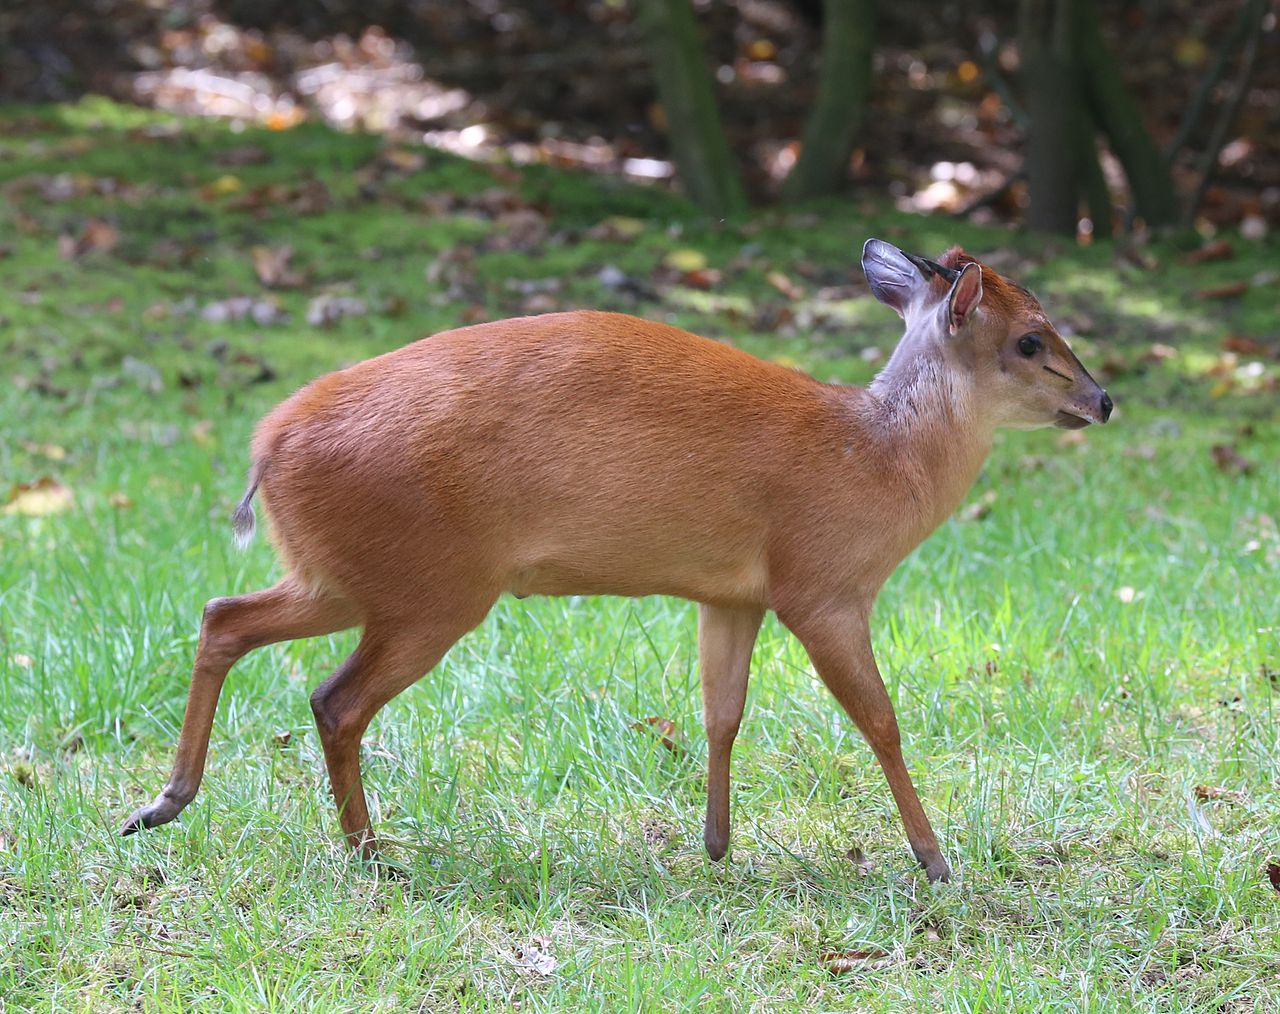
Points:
839	645
725	639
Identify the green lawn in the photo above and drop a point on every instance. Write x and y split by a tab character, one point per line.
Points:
1086	661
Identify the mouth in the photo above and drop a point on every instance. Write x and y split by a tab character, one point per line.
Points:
1067	421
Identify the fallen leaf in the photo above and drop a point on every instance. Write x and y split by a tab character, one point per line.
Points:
286	119
615	279
1227	291
39	498
617	228
843	962
522	229
702	278
1217	793
784	285
75	146
540	302
686	261
281	738
64	186
257	369
1243	346
1190	52
223	185
311	198
1214	250
328	309
260	200
1137	257
663	727
535	959
1230	461
859	859
981	507
271	265
494	202
51	451
260	311
146	376
97	236
404	160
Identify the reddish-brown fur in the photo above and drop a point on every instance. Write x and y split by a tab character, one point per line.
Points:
595	453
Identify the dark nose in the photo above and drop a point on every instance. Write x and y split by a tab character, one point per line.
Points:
1106	405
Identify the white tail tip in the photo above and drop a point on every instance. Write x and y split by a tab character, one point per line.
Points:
243	522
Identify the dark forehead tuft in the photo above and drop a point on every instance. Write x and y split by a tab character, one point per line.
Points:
1002	294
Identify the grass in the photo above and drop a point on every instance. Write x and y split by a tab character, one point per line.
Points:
1068	668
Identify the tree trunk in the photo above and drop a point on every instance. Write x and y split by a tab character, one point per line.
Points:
1115	111
844	85
1052	178
706	167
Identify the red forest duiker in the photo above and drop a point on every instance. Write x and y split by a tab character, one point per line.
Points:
594	453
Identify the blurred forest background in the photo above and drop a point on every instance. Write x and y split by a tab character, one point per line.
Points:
1085	658
1072	116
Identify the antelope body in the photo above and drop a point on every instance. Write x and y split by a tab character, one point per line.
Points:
596	453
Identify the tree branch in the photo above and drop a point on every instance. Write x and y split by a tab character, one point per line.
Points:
1227	118
1191	118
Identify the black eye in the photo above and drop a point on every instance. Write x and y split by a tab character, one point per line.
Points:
1030	344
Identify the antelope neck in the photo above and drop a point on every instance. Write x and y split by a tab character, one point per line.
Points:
927	413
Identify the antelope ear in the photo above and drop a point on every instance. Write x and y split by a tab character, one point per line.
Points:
895	279
965	295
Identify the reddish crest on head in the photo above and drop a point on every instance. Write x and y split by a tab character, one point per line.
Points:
998	293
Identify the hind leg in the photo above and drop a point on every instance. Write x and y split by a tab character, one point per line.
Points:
231	628
389	658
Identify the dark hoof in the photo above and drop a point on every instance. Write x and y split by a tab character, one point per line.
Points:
937	871
137	822
716	849
163	810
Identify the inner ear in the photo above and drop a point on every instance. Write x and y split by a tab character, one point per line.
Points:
966	294
897	279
